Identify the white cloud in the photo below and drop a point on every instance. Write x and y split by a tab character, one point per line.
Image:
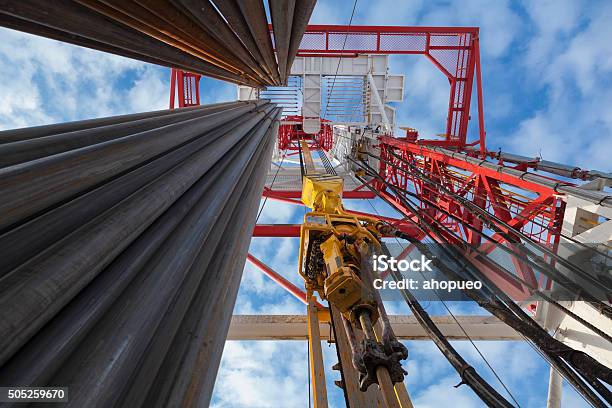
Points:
276	212
251	376
149	91
499	23
573	68
46	81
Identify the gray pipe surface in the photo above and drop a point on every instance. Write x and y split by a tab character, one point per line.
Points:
151	252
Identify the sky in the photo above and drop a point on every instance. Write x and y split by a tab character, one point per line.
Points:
547	81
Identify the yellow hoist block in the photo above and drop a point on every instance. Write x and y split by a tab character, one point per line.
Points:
322	192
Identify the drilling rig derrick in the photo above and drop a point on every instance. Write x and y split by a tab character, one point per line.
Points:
123	239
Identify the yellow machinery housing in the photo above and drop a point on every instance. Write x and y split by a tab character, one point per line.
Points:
330	242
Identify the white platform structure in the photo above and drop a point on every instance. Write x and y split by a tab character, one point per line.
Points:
348	91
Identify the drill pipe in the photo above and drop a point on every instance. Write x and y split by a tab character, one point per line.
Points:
35	363
146	22
18	135
190	377
34	28
75	260
201	16
27	150
282	19
38	359
248	21
301	16
34	186
72	22
32	237
235	46
148	312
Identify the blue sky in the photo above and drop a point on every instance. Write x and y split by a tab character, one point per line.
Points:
547	69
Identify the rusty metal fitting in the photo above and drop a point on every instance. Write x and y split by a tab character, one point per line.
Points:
371	356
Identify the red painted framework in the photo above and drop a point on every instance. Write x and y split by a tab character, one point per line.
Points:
530	208
185	88
493	191
290	133
455	51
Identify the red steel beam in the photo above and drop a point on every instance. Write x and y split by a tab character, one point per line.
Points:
420	150
350	195
293	230
284	283
487	194
277	230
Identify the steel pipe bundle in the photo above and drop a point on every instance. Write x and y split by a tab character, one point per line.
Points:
289	21
229	40
122	244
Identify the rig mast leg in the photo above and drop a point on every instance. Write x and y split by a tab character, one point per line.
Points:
319	390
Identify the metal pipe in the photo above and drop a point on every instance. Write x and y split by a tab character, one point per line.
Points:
18	135
36	185
189	371
246	19
36	235
158	22
255	16
231	13
34	293
560	169
555	389
49	349
213	259
23	151
382	374
137	18
145	313
136	298
36	290
301	16
203	16
69	37
75	20
39	359
281	12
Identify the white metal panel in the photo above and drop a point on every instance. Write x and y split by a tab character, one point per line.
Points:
312	95
298	66
395	88
379	64
311	125
246	93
